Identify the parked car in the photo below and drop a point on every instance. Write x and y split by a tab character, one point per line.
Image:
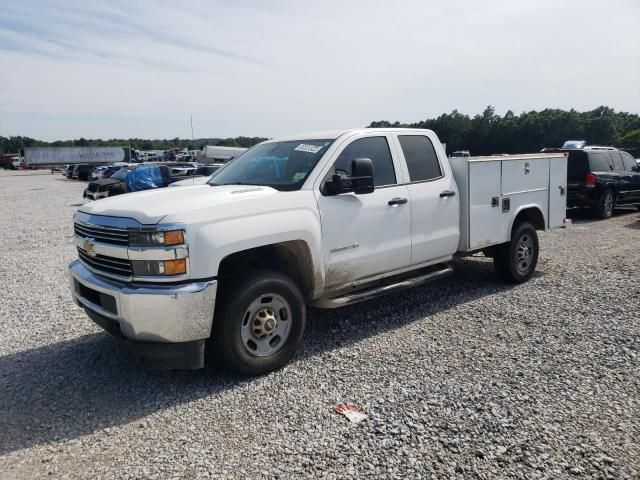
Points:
203	175
183	169
67	171
95	173
110	170
82	171
601	179
104	171
327	219
461	154
574	144
135	178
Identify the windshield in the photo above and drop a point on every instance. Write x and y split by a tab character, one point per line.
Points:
280	165
120	174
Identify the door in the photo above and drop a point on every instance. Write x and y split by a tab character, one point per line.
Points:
368	234
632	169
485	204
623	178
557	191
435	223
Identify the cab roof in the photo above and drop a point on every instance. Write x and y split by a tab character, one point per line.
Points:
334	134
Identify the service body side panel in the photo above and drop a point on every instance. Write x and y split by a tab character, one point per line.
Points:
494	190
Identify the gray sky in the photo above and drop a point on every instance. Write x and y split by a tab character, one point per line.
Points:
138	69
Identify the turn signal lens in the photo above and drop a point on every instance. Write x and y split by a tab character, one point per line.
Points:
153	268
175	267
174	237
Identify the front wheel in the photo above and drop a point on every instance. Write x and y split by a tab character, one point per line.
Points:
260	322
515	262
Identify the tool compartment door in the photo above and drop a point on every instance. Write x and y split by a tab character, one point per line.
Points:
557	191
484	204
525	175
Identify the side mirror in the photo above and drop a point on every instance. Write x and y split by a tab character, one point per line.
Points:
360	182
362	175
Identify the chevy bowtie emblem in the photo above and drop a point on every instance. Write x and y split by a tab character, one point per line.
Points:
89	247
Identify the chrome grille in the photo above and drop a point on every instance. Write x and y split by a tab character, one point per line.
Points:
113	266
111	235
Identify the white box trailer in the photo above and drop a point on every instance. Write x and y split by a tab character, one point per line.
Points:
36	156
215	154
494	189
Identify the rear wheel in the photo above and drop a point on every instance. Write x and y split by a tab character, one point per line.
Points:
606	203
260	323
516	260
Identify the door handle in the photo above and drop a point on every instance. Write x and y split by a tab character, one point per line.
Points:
447	193
397	201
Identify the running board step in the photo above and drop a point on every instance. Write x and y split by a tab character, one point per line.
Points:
380	290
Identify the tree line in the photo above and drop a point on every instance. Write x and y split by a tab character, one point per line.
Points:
489	133
482	134
14	144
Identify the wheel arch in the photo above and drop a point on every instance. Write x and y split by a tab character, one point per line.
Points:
531	214
292	258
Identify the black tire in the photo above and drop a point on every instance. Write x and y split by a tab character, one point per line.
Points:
515	261
235	316
606	204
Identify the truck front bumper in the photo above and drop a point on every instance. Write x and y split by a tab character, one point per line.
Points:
166	325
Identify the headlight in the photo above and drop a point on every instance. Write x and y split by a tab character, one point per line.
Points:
156	239
146	268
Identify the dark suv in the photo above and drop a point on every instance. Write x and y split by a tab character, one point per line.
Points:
602	179
82	171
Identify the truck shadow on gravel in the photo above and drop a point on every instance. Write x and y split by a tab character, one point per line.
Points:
69	389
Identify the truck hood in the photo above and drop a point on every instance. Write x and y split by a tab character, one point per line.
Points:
150	206
191	181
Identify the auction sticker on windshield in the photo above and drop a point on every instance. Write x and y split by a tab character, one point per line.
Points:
303	147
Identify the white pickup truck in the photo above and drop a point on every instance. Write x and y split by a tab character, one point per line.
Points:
325	219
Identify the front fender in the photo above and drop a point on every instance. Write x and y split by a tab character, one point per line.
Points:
255	224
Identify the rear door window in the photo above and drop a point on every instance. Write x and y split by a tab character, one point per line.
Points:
617	161
599	162
421	157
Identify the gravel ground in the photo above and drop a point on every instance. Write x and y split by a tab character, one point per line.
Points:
466	378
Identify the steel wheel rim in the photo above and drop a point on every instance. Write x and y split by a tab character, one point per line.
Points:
524	254
608	203
266	325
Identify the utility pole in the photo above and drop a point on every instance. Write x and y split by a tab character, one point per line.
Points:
191	114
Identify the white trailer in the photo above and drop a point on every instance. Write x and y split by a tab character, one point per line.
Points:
36	156
216	154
